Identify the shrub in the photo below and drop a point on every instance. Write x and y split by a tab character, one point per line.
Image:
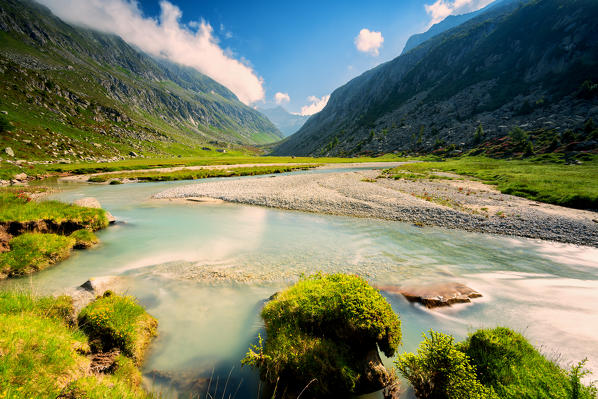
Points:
509	364
440	371
327	327
5	125
114	321
31	252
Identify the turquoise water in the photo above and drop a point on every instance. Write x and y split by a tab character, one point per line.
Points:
204	270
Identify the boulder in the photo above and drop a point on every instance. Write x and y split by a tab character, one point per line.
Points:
9	152
435	295
90	202
21	177
89	290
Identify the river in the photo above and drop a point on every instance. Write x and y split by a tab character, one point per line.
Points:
204	271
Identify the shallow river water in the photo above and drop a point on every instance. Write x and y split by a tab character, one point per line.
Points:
204	271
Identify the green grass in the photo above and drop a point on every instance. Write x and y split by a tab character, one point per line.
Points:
17	207
40	350
193	174
440	370
491	363
222	159
44	355
118	321
575	186
32	252
84	239
509	364
323	327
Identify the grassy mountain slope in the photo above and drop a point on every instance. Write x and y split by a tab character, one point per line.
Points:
533	66
72	93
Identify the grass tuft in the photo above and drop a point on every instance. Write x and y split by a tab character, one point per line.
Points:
115	321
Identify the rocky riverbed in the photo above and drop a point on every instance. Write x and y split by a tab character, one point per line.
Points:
454	204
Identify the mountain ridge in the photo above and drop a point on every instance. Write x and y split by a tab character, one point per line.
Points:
105	97
511	66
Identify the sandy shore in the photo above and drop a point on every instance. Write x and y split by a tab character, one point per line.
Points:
454	204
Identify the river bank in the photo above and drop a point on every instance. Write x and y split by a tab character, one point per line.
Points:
448	201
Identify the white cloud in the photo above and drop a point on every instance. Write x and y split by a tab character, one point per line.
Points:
369	42
165	37
281	98
317	104
443	8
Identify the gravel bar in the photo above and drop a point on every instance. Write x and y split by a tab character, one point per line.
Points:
454	204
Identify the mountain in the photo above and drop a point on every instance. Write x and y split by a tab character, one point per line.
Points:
533	66
73	93
286	122
448	23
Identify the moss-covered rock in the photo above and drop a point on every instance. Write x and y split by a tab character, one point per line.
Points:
84	239
324	332
114	321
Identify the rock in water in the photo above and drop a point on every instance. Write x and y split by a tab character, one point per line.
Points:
435	295
90	202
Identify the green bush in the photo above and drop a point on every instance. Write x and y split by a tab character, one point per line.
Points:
114	321
440	371
509	364
31	252
324	327
5	125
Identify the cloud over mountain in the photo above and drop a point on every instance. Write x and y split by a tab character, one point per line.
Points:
369	41
192	45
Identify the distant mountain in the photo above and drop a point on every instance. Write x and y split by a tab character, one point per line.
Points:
286	122
73	93
532	65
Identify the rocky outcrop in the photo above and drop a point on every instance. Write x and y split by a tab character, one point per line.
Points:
436	295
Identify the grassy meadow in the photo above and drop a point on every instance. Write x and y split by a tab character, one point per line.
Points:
544	179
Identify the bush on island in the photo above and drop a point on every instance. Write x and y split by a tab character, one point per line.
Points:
324	333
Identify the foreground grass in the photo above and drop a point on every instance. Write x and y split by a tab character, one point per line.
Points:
44	354
575	185
193	174
18	207
490	364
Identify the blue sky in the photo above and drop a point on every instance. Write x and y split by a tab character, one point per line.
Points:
304	48
298	52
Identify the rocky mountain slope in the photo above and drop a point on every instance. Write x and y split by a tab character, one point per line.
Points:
71	93
534	66
286	122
